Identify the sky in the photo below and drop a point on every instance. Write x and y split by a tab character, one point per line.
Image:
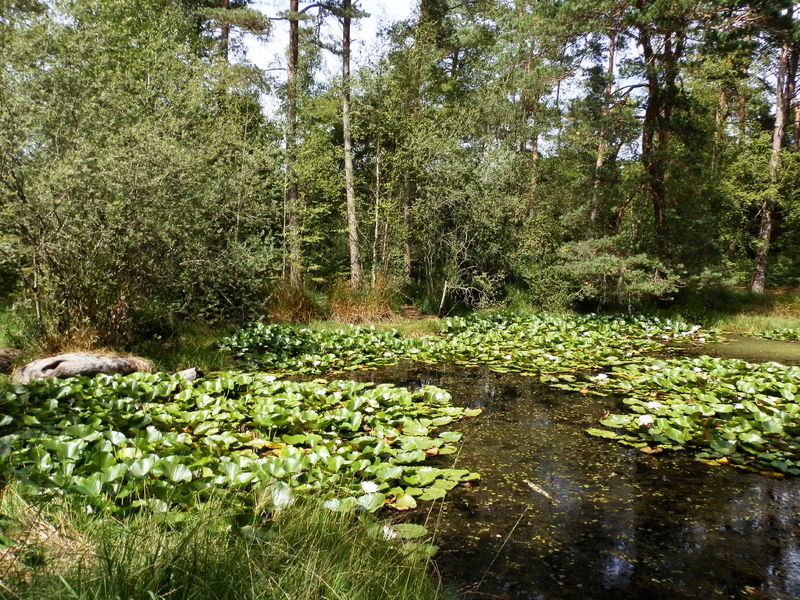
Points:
271	54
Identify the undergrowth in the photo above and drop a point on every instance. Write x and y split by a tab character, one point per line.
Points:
302	552
369	304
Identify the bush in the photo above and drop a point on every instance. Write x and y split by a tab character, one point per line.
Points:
597	271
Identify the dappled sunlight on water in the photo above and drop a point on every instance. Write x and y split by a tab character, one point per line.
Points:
562	515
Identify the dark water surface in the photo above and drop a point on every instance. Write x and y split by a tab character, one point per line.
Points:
562	515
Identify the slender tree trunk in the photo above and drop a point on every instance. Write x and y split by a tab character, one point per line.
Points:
601	145
291	225
661	98
408	195
796	132
742	121
226	30
719	126
356	270
377	230
787	71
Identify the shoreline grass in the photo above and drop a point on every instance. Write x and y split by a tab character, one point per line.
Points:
303	552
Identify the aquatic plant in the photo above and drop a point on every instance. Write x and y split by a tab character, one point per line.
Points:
727	411
157	441
544	343
790	335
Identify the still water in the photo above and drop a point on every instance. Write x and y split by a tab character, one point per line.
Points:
562	515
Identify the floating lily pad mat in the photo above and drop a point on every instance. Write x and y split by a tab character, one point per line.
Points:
120	443
728	411
542	343
559	515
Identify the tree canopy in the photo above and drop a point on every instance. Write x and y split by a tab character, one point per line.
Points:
563	151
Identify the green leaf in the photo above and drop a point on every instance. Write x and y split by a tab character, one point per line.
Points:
409	531
603	433
371	502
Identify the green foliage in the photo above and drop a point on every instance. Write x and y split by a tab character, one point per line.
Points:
727	411
158	442
597	271
279	348
302	551
792	335
545	343
191	345
142	174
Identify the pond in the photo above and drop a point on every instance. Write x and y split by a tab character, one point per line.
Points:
562	515
751	349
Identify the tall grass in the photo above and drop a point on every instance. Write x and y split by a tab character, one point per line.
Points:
18	328
304	552
739	311
191	345
369	304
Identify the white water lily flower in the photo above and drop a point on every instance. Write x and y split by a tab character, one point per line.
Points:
270	378
653	405
508	357
738	406
387	353
316	363
88	509
645	420
697	370
369	487
701	339
388	532
601	376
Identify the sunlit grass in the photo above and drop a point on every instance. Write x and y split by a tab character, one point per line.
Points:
406	327
303	552
192	345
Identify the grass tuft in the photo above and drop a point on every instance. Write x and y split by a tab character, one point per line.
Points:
366	305
292	304
304	552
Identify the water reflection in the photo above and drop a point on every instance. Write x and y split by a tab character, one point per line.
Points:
562	515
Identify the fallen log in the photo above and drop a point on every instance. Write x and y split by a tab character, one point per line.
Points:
70	365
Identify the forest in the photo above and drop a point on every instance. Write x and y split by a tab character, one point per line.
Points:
555	154
502	303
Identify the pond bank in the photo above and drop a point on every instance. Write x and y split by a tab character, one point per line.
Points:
750	349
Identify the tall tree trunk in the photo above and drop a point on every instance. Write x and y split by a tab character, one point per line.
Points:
376	231
661	98
720	114
226	30
796	132
408	196
292	225
356	270
786	75
597	177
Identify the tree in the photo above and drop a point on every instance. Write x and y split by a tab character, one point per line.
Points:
785	36
143	200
